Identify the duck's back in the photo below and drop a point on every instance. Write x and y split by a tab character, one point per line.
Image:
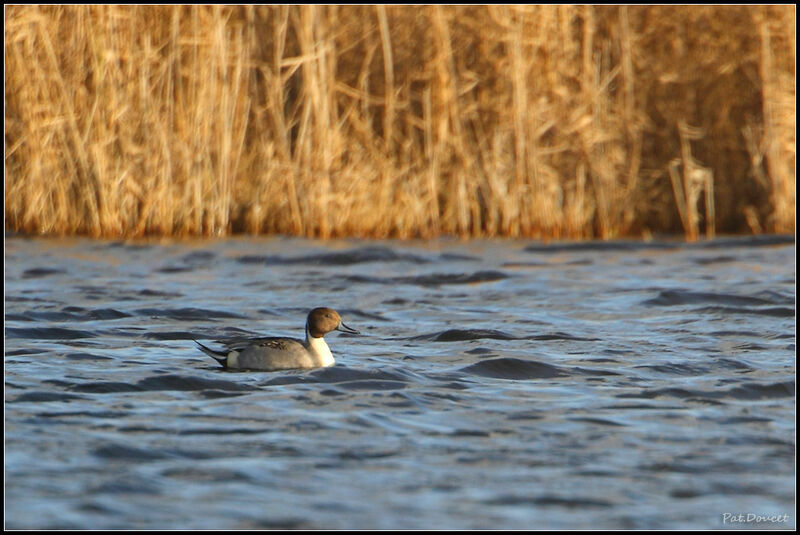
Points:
270	354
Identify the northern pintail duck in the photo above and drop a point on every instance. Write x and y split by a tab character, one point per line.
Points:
271	354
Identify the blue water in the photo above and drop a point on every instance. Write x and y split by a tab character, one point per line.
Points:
496	385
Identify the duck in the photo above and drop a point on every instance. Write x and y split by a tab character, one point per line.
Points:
276	353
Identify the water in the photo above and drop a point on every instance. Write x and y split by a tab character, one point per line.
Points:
496	384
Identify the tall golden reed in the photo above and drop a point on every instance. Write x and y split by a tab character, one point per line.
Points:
396	121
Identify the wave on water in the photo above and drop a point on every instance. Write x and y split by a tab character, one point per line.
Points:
687	297
340	374
549	500
762	303
43	396
746	391
434	279
353	256
47	333
765	240
35	273
157	383
460	335
777	312
70	313
188	313
514	368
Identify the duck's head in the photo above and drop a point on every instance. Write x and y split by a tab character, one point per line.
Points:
323	320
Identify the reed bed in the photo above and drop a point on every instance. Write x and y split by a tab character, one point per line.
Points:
398	121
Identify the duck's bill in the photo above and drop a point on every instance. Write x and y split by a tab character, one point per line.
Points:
345	329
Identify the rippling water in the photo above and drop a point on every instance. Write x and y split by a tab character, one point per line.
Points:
496	384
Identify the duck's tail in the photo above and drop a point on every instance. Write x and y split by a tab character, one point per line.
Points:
220	357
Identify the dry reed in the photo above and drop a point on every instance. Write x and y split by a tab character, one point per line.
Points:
395	121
